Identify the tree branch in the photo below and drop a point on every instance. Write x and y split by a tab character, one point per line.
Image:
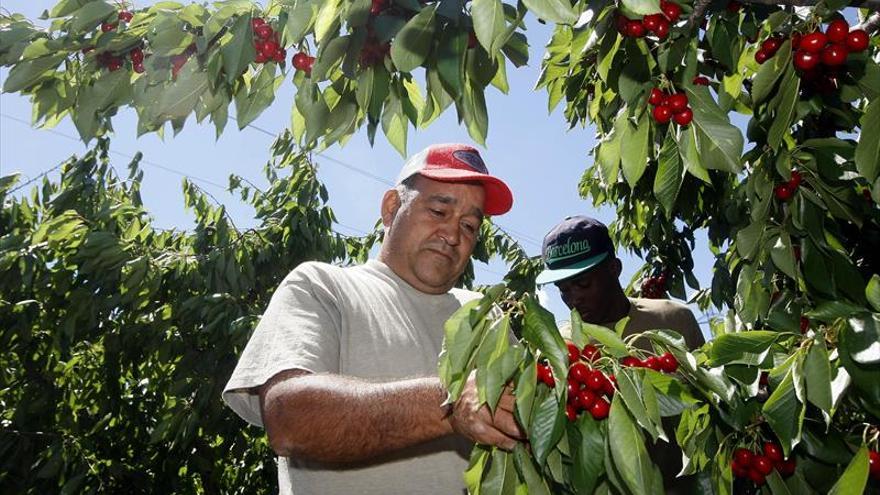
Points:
698	14
871	24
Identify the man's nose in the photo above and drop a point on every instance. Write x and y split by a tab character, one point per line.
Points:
450	232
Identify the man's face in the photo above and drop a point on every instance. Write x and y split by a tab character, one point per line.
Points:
590	292
428	242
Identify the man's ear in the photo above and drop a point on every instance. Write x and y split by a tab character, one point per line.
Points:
390	205
616	267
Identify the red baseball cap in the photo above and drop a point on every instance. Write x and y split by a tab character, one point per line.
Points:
459	163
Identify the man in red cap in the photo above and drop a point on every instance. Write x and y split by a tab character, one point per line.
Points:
342	368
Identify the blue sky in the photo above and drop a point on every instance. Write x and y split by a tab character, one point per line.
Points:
533	151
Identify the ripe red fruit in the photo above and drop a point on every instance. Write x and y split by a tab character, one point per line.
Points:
114	64
596	381
125	16
662	114
177	62
650	22
756	477
764	379
656	97
771	45
783	192
874	464
652	362
701	81
631	362
738	471
263	31
795	40
773	452
662	30
300	61
257	22
573	352
279	55
733	6
472	40
837	31
677	102
761	56
668	363
573	388
796	179
683	117
857	41
671	10
106	27
579	372
805	61
261	58
545	374
634	29
586	399
743	457
813	42
805	324
590	352
136	56
762	464
600	409
570	412
787	467
834	55
139	68
610	386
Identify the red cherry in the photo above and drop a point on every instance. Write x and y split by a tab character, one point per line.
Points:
573	352
139	68
796	179
596	381
600	409
813	42
261	58
570	412
795	40
787	467
656	97
797	252
263	31
309	63
743	457
677	102
668	363
761	56
299	61
783	192
634	29
764	379
279	55
837	31
125	16
773	452
701	81
586	399
573	387
805	324
671	10
106	27
631	362
662	114
257	22
756	477
662	30
650	22
738	471
771	45
874	464
733	6
267	48
610	386
590	352
652	362
805	61
136	56
762	464
834	55
857	41
683	117
472	40
579	372
114	64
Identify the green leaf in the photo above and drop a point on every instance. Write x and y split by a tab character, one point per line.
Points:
327	20
329	56
628	452
690	155
864	338
632	391
555	11
525	465
300	18
776	484
547	427
749	239
450	59
526	385
718	140
872	292
751	300
89	16
614	345
855	478
868	147
670	174
394	121
501	478
782	254
237	49
817	373
769	73
475	114
788	95
784	413
539	329
865	378
26	74
261	94
411	45
473	476
749	348
587	465
459	342
489	26
634	151
642	7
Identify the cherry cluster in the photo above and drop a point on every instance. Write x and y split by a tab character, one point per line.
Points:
654	287
666	363
757	465
373	51
670	107
266	43
658	24
589	389
124	16
302	61
115	62
786	190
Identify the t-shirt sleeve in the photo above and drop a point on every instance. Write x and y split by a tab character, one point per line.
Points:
299	330
689	328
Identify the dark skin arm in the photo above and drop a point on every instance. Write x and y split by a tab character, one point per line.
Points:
337	419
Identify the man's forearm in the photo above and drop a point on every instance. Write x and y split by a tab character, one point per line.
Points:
332	418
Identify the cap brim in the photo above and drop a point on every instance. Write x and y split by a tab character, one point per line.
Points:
498	200
549	276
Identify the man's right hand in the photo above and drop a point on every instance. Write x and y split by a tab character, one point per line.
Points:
474	420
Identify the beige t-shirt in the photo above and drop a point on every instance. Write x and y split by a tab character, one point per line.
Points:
365	322
662	314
